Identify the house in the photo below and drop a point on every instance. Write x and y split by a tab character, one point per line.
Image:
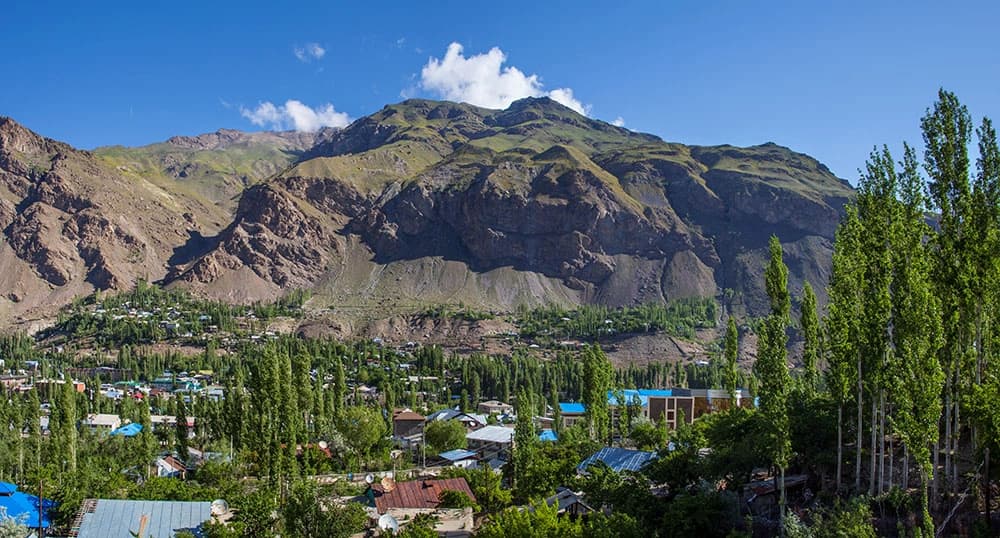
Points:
102	422
406	423
13	381
105	518
170	467
662	404
169	421
569	502
417	493
22	506
491	442
469	420
494	407
618	459
571	413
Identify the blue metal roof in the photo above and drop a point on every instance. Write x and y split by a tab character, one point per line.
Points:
457	455
571	407
548	435
115	519
24	507
128	430
618	459
628	395
657	392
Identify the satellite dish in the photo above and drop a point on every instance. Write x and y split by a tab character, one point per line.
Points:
388	523
323	445
219	507
369	478
388	484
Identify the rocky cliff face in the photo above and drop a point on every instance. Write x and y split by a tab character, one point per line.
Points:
535	197
421	202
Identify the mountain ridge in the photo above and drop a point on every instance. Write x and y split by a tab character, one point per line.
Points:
431	201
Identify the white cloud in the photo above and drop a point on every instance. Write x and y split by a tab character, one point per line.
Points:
482	80
619	122
309	52
295	115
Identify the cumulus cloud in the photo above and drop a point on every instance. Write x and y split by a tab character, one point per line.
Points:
483	80
619	122
295	115
309	52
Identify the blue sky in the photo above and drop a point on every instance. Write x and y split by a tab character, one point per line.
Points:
831	79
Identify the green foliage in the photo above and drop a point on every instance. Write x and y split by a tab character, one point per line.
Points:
845	520
305	514
731	355
680	317
455	499
486	485
445	435
597	371
710	515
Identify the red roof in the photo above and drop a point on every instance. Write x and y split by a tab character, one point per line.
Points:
419	493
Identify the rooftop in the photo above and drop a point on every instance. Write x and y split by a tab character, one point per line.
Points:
492	434
128	430
19	505
418	493
618	459
457	454
118	519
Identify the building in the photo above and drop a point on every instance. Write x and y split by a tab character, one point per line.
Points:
569	502
469	420
618	459
170	467
494	407
417	493
23	507
104	518
571	413
662	404
406	423
491	442
102	422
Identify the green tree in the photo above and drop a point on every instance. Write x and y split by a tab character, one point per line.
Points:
772	366
362	428
181	429
306	516
597	375
445	435
810	334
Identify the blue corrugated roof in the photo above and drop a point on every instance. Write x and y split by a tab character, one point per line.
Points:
657	392
457	455
571	407
548	435
23	507
114	518
618	459
128	430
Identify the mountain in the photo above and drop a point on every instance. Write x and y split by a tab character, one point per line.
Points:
430	202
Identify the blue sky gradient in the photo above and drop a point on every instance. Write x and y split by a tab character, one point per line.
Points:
830	79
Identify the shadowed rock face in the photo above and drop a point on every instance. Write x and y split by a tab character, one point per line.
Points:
530	204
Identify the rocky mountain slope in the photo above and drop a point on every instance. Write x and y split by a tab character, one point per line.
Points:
422	202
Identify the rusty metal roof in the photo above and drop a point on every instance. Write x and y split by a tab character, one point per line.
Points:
418	493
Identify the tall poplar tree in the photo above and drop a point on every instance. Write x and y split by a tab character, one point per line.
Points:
597	375
772	367
809	321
